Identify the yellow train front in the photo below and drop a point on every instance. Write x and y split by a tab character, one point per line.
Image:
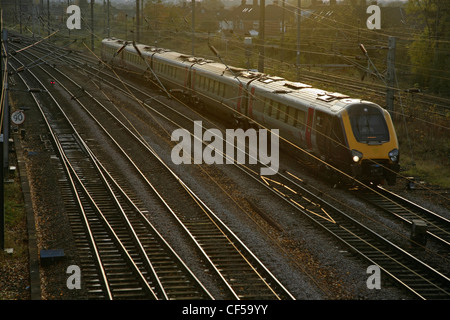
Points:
372	143
355	136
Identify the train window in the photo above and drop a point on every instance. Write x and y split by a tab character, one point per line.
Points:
198	81
291	116
323	128
275	110
300	119
201	81
282	115
319	120
368	123
337	137
267	107
258	105
225	90
208	84
322	120
221	89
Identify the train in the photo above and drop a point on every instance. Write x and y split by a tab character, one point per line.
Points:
353	135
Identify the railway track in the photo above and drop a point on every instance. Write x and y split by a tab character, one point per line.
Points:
400	265
438	227
240	270
132	260
382	253
422	280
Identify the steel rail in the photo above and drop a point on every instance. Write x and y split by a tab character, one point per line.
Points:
438	227
86	192
76	194
205	208
290	202
150	225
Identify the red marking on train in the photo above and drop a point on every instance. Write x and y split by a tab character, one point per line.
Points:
239	98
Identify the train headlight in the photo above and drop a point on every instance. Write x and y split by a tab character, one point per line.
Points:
356	155
393	155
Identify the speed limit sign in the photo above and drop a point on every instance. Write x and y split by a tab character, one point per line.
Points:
18	117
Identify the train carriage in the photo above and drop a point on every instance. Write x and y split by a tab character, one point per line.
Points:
356	136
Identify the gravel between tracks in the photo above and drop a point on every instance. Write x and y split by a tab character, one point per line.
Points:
309	263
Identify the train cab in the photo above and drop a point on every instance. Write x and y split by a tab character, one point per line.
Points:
372	142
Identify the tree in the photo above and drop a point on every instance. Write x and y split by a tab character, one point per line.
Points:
430	50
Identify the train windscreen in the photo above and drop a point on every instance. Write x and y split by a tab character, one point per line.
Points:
368	124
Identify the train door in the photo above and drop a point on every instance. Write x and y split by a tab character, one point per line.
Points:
339	153
323	129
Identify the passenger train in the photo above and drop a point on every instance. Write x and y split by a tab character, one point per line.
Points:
353	135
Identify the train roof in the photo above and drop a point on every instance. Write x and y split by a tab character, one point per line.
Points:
280	89
283	89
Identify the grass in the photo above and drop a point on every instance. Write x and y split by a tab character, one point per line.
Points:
424	145
427	170
15	218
